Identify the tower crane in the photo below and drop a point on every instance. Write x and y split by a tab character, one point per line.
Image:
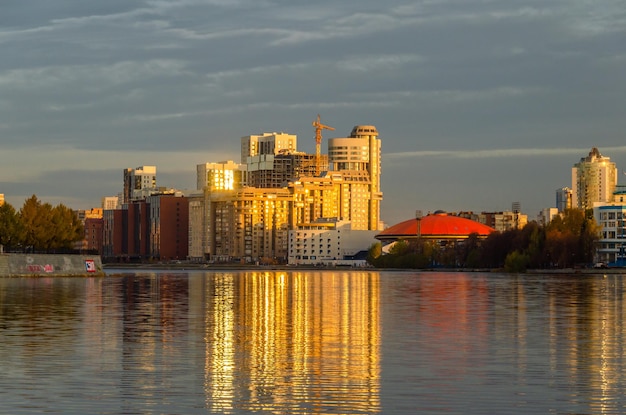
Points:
318	142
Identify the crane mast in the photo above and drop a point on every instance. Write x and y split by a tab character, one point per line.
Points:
318	142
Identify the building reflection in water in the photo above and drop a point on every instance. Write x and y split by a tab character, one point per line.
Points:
301	342
541	337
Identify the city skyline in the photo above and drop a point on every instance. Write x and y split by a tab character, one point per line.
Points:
478	105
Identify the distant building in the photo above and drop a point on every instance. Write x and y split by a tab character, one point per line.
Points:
563	199
156	228
503	220
447	231
612	244
266	144
594	179
110	202
168	227
197	227
357	158
224	175
139	183
275	171
546	215
94	227
272	159
329	242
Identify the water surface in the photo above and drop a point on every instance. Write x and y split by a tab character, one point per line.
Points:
312	342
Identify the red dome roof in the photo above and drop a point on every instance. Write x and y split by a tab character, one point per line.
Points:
437	225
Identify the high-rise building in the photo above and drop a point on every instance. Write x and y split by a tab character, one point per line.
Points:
563	199
139	183
594	179
358	159
281	168
266	144
272	159
250	223
282	192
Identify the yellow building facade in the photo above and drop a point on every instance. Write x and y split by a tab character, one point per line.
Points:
249	224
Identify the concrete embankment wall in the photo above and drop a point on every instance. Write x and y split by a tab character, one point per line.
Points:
42	265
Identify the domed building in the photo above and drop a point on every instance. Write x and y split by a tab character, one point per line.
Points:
435	226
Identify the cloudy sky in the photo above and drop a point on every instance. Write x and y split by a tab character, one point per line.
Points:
479	103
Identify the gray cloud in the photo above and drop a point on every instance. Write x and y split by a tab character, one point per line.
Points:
459	81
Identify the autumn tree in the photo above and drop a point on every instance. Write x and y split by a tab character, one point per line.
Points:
571	238
10	227
47	228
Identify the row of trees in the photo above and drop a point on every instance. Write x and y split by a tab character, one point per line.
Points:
567	241
39	227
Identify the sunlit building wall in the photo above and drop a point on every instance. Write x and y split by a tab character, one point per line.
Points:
266	144
315	198
197	227
358	159
224	175
594	179
328	242
249	224
139	183
110	202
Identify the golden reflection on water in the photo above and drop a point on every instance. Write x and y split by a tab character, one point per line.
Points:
305	341
310	342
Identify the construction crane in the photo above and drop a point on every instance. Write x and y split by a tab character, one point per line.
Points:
318	142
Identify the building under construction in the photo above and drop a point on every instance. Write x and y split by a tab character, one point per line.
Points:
279	169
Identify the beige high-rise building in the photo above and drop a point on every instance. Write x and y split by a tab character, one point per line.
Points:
594	179
357	158
249	222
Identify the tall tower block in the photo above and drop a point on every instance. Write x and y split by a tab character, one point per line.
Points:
358	158
594	179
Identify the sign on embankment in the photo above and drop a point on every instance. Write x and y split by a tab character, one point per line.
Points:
50	265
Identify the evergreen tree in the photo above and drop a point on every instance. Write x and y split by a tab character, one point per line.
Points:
10	227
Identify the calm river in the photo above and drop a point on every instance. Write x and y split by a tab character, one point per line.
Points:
196	342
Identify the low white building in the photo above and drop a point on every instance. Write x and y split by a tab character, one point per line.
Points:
612	244
329	242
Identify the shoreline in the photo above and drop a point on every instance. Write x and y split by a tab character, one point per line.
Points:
250	267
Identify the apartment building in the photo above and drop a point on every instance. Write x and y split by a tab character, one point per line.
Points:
594	179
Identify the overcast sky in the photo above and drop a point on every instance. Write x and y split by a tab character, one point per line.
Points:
479	103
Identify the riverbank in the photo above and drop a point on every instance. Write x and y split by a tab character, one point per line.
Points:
253	267
50	265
